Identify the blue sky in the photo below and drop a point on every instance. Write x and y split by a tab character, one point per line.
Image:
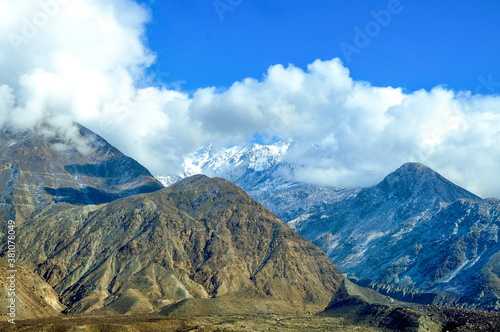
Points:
426	43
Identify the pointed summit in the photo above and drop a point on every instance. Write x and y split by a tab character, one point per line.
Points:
416	179
414	167
39	172
415	171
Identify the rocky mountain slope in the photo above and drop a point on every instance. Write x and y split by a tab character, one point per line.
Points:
201	238
34	298
39	174
86	229
424	238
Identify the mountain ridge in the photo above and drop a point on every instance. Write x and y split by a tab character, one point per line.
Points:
361	226
40	173
414	177
202	238
427	239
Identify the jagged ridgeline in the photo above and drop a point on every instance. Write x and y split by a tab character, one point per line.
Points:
99	229
415	236
40	173
426	239
97	235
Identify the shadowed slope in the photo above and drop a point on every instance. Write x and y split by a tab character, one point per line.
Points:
201	238
424	239
37	174
33	297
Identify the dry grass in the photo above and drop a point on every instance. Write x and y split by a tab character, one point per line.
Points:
212	323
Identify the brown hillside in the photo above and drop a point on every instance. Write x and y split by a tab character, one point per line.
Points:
200	238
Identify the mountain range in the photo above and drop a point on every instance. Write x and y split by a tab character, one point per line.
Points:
102	245
99	229
263	172
423	238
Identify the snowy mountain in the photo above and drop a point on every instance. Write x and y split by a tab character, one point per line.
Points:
415	236
231	163
264	172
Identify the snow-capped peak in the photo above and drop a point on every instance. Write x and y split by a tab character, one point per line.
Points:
231	162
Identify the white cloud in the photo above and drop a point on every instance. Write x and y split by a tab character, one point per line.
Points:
353	134
84	60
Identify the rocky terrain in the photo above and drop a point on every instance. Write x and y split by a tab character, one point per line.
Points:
424	238
200	238
34	297
123	252
102	246
39	174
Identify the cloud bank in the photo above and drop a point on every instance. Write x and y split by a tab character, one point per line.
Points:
86	61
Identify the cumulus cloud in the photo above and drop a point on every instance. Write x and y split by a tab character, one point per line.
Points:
85	61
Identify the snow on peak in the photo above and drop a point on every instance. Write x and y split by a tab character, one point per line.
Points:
229	162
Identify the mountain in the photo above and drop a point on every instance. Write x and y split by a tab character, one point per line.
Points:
424	238
232	163
99	229
200	254
39	174
264	172
200	238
